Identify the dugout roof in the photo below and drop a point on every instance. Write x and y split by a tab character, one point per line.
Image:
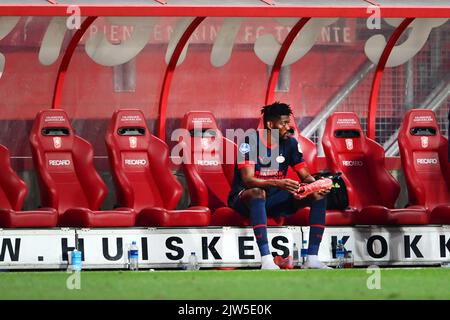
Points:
235	8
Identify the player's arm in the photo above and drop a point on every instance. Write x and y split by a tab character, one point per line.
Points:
304	175
297	162
250	181
299	165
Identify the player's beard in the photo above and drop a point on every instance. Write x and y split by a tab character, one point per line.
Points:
287	134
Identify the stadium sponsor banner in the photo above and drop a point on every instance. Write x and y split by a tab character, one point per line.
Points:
158	247
217	247
35	249
171	247
372	245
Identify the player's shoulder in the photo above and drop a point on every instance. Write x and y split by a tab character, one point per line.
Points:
291	141
294	144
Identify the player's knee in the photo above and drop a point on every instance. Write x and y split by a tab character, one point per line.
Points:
257	193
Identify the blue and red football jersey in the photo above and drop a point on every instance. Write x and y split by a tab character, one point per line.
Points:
269	162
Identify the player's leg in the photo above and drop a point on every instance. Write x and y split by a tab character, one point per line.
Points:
282	203
255	200
279	204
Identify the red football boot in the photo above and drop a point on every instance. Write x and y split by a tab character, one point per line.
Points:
284	263
307	188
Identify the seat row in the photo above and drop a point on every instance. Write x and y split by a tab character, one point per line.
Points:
148	193
72	191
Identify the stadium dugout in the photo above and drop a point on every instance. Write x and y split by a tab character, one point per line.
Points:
96	95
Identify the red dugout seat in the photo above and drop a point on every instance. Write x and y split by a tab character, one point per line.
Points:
210	171
140	166
424	152
13	191
301	217
371	188
67	176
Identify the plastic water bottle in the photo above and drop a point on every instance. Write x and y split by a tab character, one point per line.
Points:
340	255
134	257
193	262
349	259
75	260
304	251
295	255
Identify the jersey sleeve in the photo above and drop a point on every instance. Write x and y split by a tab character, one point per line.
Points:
296	155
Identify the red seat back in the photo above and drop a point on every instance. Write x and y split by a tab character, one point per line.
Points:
140	163
308	147
64	164
12	189
423	151
360	159
208	159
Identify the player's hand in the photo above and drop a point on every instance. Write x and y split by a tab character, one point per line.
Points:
289	185
297	196
320	188
323	192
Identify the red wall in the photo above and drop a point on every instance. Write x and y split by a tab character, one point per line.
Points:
236	90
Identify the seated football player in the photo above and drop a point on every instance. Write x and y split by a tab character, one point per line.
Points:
260	187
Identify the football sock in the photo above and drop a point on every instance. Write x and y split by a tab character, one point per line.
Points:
316	225
258	218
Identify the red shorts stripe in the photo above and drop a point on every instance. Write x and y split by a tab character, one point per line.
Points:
246	164
317	226
259	226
